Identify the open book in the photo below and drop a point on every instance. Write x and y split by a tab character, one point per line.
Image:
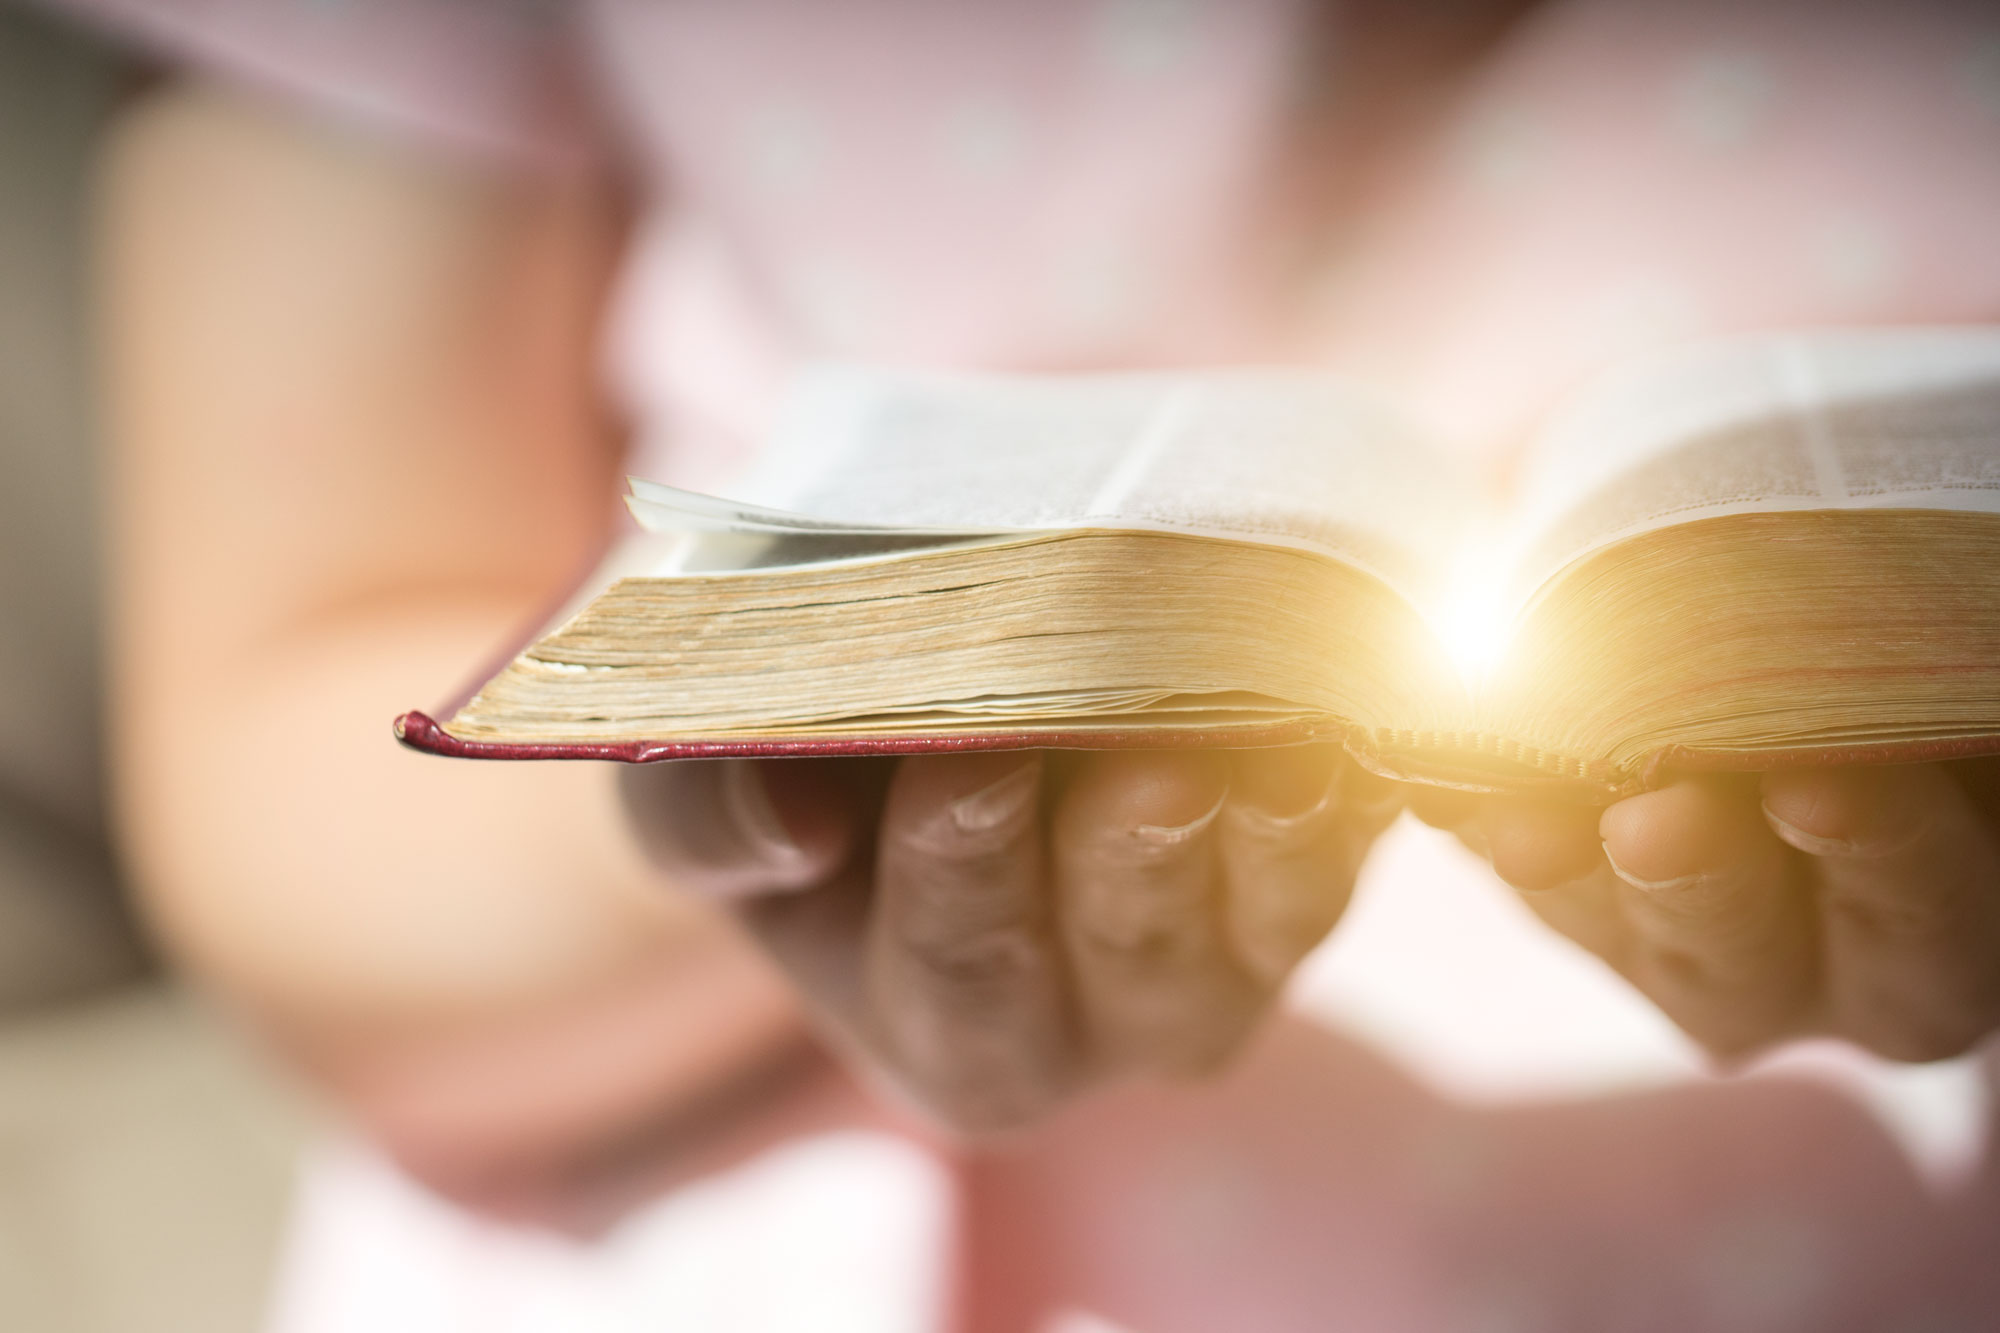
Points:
1741	554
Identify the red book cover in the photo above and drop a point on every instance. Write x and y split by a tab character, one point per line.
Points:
420	731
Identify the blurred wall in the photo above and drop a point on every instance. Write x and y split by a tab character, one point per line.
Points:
61	929
146	1157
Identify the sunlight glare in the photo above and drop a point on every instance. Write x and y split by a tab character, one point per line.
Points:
1473	619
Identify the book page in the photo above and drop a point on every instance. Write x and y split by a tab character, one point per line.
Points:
1279	457
1845	420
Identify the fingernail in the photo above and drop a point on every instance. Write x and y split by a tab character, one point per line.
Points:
1649	885
999	803
1261	823
1812	844
1163	835
749	804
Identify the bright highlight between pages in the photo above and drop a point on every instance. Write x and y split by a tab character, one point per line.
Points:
1473	617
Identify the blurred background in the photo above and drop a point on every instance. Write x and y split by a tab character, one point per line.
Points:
146	1158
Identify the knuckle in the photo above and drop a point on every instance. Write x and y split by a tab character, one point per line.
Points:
1747	967
1907	917
976	964
1141	920
972	853
1137	944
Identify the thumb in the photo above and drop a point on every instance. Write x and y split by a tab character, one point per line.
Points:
734	828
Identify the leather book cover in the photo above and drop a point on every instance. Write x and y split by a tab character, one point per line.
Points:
420	731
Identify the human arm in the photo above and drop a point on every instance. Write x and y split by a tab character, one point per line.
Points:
355	446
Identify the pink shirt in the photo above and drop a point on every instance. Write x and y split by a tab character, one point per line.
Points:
1050	184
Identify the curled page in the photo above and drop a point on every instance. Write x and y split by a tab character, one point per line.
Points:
1861	419
663	509
1280	457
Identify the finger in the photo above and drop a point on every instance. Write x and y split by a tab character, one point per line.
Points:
1980	779
964	973
1139	911
728	828
818	938
1550	850
1293	832
1724	939
1537	843
1370	801
1456	812
1908	877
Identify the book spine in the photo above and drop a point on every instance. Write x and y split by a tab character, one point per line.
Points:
1664	765
1478	749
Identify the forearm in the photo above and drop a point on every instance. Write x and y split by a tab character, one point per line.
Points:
302	860
354	449
466	955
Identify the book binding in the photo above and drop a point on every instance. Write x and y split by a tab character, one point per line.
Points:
420	731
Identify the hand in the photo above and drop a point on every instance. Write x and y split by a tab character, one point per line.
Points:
996	932
1859	902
